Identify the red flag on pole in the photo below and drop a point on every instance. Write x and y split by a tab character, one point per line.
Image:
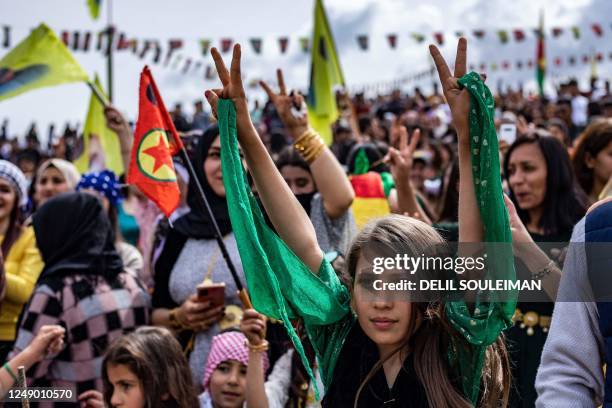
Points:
155	142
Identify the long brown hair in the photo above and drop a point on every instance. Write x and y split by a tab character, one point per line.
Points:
156	358
431	338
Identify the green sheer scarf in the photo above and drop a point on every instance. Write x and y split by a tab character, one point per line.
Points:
482	327
282	287
279	282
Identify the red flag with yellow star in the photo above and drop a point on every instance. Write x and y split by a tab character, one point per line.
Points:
155	142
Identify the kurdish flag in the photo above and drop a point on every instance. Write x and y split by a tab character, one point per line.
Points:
371	191
40	60
325	73
155	142
540	56
370	199
101	149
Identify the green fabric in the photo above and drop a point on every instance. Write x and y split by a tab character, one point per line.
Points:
388	182
482	328
362	164
281	286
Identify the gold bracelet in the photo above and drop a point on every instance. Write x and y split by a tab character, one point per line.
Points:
310	145
260	348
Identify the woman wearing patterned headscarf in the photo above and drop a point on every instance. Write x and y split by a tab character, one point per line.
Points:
22	262
105	186
225	374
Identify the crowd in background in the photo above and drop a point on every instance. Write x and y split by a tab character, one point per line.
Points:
81	271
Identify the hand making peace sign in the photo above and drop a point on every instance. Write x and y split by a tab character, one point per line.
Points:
291	108
458	98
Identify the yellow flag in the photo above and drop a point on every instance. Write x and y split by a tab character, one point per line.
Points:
39	60
325	73
101	149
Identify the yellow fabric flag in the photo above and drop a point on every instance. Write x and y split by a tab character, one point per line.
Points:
101	148
325	73
40	60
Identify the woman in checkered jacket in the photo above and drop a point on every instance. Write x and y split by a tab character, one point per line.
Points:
83	287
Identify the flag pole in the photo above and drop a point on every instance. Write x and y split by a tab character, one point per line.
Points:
242	293
109	50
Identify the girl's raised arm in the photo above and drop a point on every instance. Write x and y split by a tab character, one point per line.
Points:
458	98
287	215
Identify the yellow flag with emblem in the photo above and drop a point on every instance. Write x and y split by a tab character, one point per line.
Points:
40	60
325	73
101	148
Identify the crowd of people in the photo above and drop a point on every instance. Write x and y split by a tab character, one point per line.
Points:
98	290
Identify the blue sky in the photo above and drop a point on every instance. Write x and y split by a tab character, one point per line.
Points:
270	19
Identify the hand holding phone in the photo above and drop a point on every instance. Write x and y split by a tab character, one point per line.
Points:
212	292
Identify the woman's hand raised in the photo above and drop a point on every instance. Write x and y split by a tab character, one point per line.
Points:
458	98
291	108
231	80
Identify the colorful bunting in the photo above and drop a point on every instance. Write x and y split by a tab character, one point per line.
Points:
479	34
556	32
503	36
173	45
597	29
187	65
6	43
392	38
204	46
76	36
418	37
305	44
363	42
226	44
86	41
439	38
157	56
66	38
283	42
576	32
256	44
519	35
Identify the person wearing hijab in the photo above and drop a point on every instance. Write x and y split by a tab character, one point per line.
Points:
83	287
106	187
53	177
190	255
22	263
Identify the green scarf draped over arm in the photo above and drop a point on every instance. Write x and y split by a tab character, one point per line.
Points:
483	326
280	285
283	288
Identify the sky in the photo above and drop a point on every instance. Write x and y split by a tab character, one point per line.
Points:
241	20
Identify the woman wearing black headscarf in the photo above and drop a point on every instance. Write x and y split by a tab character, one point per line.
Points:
83	288
190	255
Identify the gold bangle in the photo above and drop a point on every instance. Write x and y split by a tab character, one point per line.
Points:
310	145
260	348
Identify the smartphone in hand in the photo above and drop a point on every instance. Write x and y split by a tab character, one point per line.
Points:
212	292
